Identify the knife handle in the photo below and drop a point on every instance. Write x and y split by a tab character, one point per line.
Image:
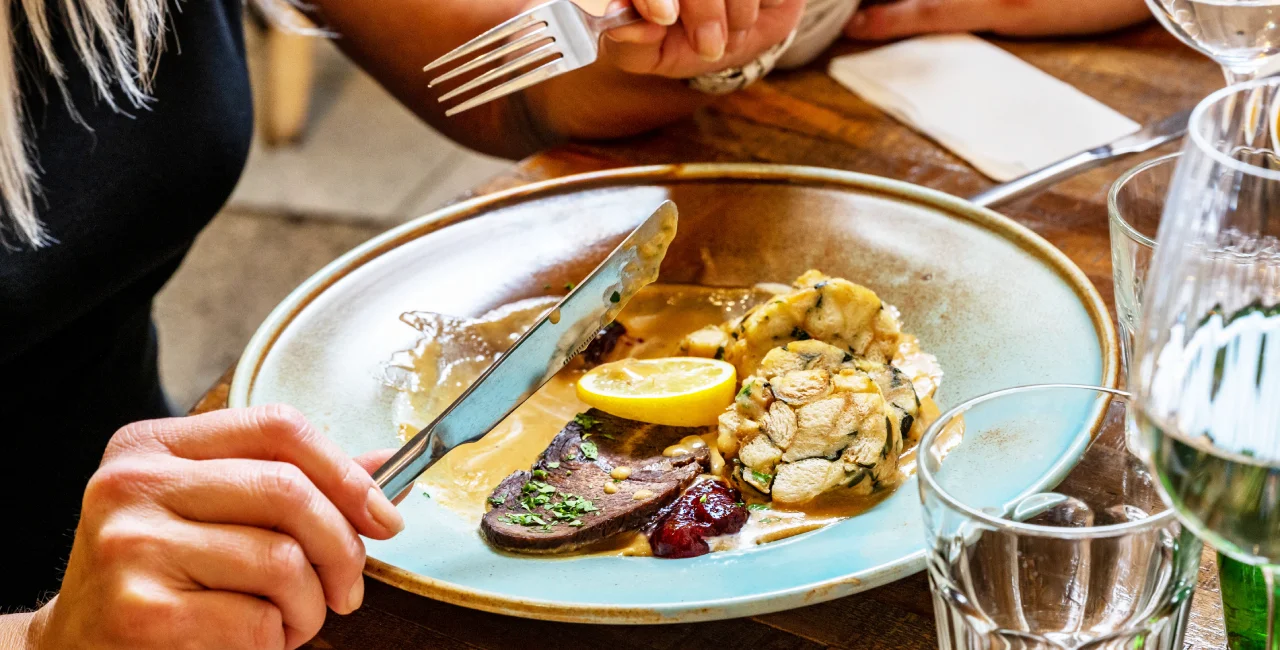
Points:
1042	178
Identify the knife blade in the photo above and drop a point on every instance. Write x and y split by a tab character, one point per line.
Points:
1149	137
547	346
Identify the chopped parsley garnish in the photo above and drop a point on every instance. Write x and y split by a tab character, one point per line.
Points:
702	499
523	519
770	520
615	298
568	286
720	353
585	421
571	508
496	501
761	477
532	502
536	494
555	464
758	506
800	334
546	287
540	473
588	450
746	390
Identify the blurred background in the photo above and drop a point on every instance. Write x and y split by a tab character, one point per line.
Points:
335	161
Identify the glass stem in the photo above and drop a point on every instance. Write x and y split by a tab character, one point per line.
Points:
1234	77
1269	575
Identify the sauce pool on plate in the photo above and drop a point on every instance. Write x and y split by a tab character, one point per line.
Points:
454	352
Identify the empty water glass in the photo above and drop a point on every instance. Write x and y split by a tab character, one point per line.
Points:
1135	204
1021	557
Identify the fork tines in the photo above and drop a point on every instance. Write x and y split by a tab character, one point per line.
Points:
531	36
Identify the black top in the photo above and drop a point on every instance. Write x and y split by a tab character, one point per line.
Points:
128	198
125	202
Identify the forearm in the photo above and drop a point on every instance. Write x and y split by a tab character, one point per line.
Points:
904	18
393	39
19	631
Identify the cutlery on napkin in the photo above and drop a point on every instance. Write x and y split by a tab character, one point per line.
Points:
1004	116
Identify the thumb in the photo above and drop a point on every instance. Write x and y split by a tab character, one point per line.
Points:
371	461
658	12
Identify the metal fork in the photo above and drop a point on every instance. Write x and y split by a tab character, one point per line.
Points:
567	38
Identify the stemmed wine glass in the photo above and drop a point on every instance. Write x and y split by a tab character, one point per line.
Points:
1206	372
1241	35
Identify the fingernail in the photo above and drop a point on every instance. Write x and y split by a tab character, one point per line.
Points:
664	12
769	4
736	38
709	41
356	597
859	19
384	512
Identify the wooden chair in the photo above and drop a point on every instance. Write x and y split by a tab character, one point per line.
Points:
289	71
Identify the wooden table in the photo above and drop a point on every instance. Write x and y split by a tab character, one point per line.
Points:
805	118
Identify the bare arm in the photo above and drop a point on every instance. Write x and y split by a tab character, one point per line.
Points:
1006	17
19	631
633	88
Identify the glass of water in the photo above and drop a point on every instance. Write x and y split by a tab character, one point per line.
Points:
1206	372
1242	36
1136	204
1092	561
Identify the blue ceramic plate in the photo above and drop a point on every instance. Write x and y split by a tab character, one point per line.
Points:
999	307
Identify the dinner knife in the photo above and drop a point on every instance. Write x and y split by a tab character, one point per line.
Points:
559	336
1149	137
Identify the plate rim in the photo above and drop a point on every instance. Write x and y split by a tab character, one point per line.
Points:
264	338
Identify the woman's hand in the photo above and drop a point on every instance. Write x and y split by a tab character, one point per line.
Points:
687	38
1007	17
235	529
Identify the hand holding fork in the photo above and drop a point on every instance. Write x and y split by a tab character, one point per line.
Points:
670	38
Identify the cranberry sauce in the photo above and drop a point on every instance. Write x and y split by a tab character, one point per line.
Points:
707	509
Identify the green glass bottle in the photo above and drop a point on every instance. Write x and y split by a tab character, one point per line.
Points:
1244	604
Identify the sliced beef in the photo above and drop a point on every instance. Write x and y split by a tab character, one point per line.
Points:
603	344
562	504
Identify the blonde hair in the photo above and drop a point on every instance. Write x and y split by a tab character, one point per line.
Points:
118	44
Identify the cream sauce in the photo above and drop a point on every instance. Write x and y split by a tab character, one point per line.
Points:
454	352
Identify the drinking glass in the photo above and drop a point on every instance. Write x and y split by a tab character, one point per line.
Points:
1240	35
1135	204
1206	371
1096	562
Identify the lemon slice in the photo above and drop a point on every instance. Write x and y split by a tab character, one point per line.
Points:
676	391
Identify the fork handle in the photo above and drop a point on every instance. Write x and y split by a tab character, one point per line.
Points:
616	19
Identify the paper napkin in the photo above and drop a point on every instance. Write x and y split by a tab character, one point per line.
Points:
1003	115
